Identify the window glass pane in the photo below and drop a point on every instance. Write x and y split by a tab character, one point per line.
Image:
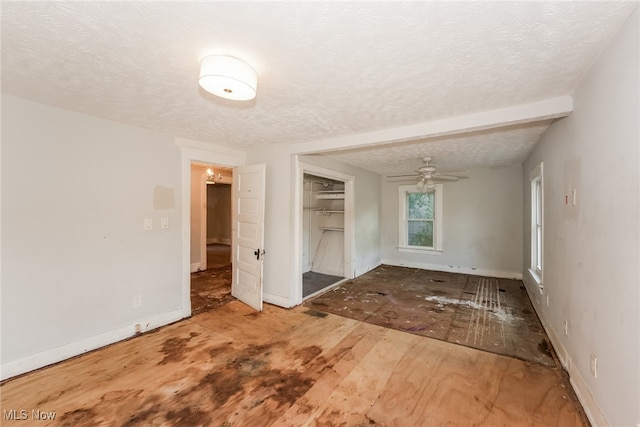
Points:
538	248
538	202
420	233
420	205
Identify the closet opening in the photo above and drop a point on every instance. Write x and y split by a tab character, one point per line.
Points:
323	253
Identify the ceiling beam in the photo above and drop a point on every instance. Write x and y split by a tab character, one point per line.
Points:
551	108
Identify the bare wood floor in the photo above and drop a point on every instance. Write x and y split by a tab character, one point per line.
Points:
234	367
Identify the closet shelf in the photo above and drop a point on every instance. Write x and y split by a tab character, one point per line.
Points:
324	210
332	228
328	195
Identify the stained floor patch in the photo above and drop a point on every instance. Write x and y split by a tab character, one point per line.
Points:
289	368
210	289
315	313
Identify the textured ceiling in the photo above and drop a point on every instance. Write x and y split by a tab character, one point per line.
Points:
325	69
498	147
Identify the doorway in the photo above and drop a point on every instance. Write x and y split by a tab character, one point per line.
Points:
211	269
325	229
323	233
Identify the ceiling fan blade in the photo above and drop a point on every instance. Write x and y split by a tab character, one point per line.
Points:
451	173
413	175
445	178
402	180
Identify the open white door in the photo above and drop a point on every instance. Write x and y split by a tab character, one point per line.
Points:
248	233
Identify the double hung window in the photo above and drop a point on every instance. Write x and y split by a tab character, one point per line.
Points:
420	225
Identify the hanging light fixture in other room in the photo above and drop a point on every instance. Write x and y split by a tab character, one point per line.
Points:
228	77
211	176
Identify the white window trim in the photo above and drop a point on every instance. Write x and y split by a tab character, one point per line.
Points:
537	273
402	221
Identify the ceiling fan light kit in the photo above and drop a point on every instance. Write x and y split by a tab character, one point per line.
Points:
427	174
228	77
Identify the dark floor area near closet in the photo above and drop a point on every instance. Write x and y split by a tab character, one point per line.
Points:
313	282
486	313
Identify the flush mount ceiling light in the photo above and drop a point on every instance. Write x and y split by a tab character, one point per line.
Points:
228	77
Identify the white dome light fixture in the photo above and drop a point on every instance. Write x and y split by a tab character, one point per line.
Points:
228	77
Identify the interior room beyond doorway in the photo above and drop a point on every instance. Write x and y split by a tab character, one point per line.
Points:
210	237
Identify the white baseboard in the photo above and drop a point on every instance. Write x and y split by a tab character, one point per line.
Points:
276	300
195	267
454	269
590	406
58	354
360	270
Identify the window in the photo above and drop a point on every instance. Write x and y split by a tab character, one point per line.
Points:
537	198
420	219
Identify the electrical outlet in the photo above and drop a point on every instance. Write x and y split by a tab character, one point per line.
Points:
594	365
137	328
566	327
137	301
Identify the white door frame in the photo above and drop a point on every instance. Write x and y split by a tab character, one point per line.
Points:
195	151
349	224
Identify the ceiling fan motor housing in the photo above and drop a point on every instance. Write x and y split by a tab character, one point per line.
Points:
427	169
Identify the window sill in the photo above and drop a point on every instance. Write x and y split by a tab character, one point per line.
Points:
416	250
536	278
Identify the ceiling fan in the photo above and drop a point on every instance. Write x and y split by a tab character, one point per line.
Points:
427	175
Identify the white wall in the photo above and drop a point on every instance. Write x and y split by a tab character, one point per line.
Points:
75	192
198	196
482	220
591	251
366	211
278	271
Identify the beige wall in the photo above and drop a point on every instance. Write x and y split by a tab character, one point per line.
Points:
198	212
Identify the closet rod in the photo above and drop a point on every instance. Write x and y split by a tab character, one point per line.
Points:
324	183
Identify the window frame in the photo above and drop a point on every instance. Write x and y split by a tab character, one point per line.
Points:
536	265
403	245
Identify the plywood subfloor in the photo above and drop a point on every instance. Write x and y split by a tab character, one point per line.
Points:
231	366
485	313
